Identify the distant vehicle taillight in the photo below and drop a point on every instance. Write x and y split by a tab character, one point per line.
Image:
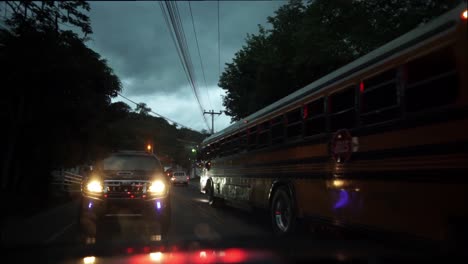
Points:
188	178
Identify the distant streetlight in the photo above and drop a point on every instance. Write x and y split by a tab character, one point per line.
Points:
194	150
149	147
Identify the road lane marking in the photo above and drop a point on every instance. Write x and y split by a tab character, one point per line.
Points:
59	233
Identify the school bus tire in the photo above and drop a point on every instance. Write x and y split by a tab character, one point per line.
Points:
282	212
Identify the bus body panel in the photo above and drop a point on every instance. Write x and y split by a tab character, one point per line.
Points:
406	174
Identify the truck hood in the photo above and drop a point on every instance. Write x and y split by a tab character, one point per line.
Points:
129	175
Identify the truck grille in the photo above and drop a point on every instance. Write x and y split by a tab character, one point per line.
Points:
125	188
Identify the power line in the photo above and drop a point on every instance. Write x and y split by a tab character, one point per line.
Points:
199	55
180	34
219	47
159	115
172	18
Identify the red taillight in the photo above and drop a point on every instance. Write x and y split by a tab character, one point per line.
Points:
464	14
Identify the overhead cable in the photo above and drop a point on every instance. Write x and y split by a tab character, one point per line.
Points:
171	15
158	115
199	55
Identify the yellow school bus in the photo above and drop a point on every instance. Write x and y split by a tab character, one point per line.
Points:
380	144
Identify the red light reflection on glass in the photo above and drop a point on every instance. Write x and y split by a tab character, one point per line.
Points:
146	249
305	112
234	255
177	258
204	257
130	250
361	87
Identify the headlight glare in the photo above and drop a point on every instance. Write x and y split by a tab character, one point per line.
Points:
157	187
94	186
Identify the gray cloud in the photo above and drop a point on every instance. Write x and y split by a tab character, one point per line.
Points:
133	37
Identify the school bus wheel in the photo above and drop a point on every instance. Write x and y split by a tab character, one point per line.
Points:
282	213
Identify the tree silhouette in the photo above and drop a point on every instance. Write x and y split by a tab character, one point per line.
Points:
143	109
308	40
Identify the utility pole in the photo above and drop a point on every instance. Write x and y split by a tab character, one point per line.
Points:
212	113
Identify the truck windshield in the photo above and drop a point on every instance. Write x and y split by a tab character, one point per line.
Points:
130	162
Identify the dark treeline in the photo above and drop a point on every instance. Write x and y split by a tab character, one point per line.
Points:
56	100
309	39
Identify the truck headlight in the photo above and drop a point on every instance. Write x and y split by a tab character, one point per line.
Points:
157	187
94	186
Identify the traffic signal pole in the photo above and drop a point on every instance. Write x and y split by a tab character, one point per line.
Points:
212	113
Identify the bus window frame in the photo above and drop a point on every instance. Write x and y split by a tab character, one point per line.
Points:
299	122
408	85
397	107
353	108
263	129
254	133
276	121
312	117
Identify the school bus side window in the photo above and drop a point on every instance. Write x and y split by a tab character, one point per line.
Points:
235	143
294	123
228	146
315	118
379	98
252	138
263	134
342	109
222	148
214	151
432	81
243	141
277	130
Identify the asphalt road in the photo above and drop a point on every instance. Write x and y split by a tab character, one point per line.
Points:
193	219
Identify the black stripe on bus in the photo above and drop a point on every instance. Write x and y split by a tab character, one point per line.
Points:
418	120
429	176
413	151
414	120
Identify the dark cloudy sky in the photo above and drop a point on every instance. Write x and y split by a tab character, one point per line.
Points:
135	40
